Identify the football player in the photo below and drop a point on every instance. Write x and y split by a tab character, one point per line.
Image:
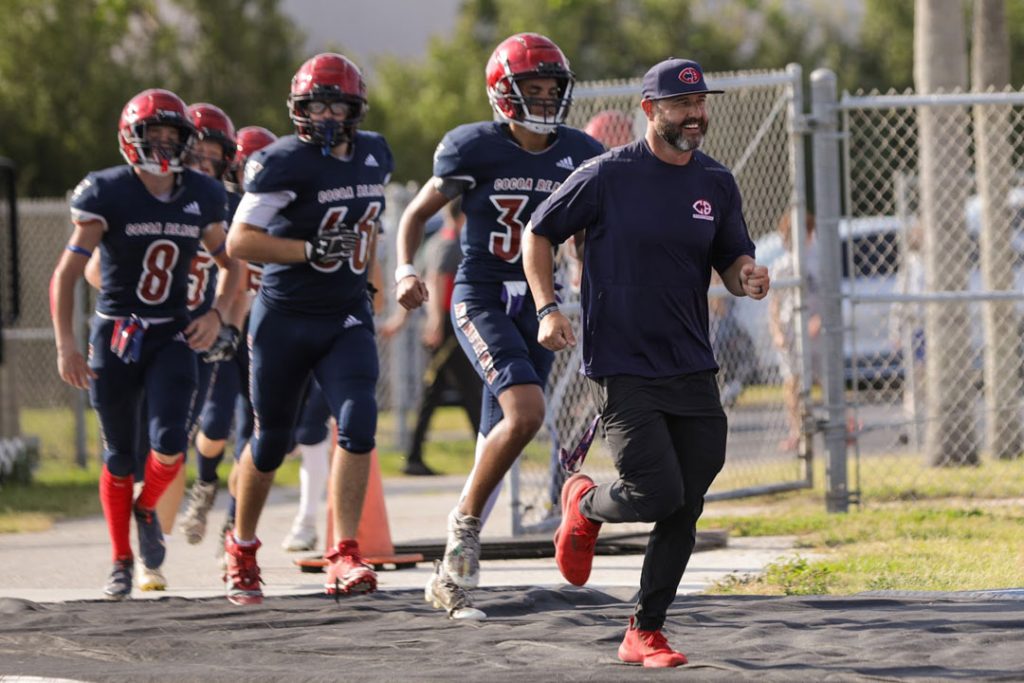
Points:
310	214
147	218
502	170
212	152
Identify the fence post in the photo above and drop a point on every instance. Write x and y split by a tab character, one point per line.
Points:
828	209
798	233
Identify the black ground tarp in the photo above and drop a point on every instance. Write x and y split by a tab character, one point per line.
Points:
533	634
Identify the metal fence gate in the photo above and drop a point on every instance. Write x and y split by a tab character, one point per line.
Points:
924	201
755	130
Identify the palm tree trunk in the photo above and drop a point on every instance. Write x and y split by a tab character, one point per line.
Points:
940	65
990	70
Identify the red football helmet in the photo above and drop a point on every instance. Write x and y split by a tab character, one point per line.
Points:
154	107
611	128
211	123
528	55
327	77
249	140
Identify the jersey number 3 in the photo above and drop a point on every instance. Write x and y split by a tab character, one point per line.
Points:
506	244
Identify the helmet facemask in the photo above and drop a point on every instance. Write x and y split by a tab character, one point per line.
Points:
327	132
538	114
159	159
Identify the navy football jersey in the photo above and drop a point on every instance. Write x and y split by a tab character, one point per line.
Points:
202	276
329	194
654	231
148	244
507	183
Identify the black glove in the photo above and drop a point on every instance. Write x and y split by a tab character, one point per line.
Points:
224	346
332	246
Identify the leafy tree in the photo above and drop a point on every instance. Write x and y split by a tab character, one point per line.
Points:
68	66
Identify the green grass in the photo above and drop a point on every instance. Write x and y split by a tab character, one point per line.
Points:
937	545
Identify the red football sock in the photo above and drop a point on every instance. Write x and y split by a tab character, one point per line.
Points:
116	499
158	477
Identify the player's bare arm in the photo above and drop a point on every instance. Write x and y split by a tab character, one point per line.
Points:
746	278
410	290
71	363
252	243
555	330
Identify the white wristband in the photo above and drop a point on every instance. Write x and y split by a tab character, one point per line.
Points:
405	270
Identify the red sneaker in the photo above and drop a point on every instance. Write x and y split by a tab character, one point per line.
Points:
648	648
576	535
347	573
242	574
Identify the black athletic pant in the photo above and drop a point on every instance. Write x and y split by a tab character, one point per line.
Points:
447	367
667	436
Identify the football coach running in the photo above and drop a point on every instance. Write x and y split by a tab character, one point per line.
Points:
658	216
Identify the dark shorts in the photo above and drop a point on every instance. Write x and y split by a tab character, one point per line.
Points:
503	348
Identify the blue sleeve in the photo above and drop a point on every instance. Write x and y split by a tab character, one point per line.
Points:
732	239
570	208
449	161
269	172
388	162
88	198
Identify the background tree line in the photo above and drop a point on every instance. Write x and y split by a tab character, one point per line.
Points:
68	66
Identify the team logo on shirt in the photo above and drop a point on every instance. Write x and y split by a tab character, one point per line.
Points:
702	210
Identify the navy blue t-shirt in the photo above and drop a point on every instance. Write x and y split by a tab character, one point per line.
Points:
506	184
148	245
330	194
654	231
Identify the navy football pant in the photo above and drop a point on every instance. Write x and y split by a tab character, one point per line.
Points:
165	375
340	352
504	350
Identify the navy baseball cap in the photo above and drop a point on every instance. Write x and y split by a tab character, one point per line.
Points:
674	77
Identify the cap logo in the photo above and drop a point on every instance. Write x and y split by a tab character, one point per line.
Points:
689	75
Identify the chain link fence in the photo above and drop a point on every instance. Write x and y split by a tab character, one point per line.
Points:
753	130
932	275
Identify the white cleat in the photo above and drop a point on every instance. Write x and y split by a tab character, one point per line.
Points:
301	538
462	552
149	579
443	593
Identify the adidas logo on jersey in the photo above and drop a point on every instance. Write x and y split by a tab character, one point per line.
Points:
566	163
371	161
351	321
193	208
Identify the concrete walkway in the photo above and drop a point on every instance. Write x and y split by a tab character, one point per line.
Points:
71	560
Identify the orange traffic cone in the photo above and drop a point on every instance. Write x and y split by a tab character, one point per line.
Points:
374	533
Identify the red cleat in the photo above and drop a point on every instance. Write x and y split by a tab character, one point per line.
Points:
347	573
576	535
648	648
242	574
